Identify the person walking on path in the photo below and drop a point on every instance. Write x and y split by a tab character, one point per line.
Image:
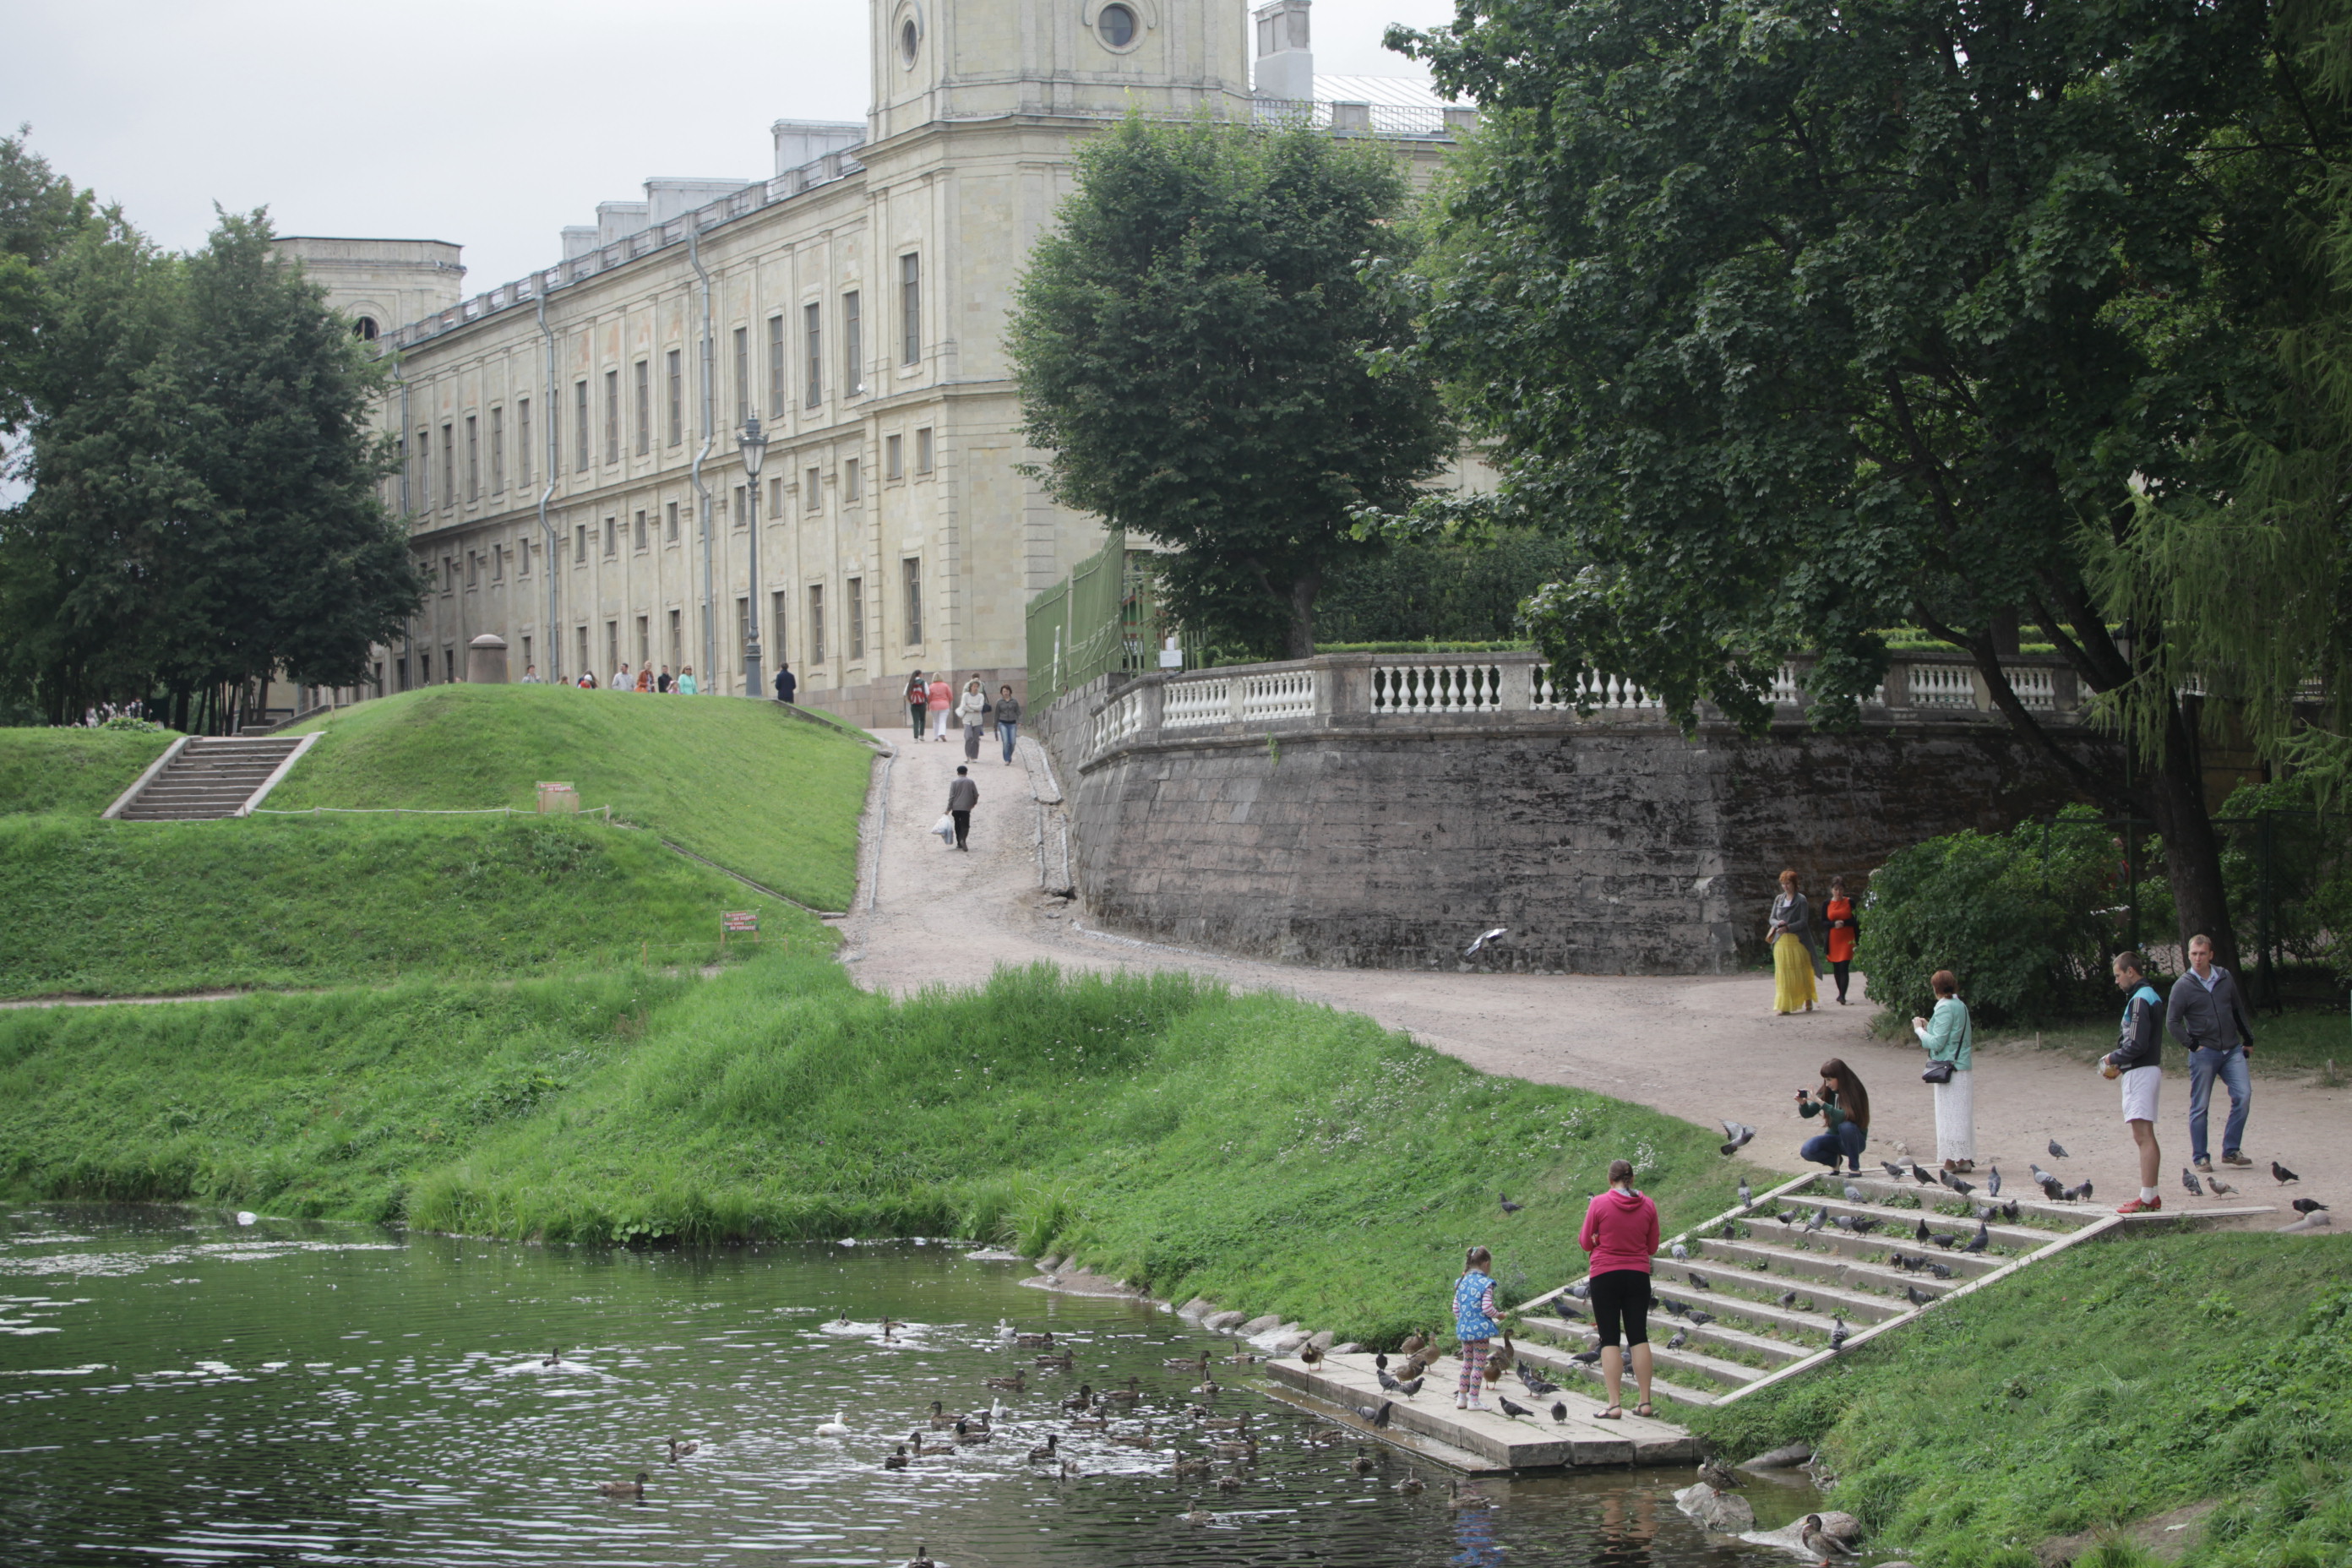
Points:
1789	935
1008	720
971	712
786	682
1844	928
938	697
1844	1106
530	675
621	681
962	796
1950	1039
918	701
1620	1232
2208	1013
685	685
1476	1318
664	683
2137	1063
646	678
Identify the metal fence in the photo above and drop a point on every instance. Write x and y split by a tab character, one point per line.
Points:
1106	616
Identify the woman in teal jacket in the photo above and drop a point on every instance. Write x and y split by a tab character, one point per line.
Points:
1949	1037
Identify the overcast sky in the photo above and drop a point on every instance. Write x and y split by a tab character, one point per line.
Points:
491	123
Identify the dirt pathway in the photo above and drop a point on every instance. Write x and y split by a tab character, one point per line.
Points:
1699	1048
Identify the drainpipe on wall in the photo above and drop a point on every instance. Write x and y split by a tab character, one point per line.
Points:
407	622
554	638
702	491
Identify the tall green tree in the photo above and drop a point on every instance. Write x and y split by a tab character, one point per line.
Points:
41	214
1809	319
1191	347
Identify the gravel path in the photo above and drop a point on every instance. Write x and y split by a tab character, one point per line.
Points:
1700	1047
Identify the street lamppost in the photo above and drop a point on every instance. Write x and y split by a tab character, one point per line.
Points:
754	446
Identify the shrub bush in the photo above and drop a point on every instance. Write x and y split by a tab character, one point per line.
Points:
2028	921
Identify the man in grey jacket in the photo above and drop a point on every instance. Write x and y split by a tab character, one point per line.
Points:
962	796
2208	1013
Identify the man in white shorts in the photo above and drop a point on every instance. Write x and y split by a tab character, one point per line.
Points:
2136	1062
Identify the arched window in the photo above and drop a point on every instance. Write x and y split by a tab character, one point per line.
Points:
364	329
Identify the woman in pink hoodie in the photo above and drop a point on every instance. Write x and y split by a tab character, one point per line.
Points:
1620	1232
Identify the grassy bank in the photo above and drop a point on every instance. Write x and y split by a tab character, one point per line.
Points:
76	772
756	790
106	909
2117	1381
1265	1152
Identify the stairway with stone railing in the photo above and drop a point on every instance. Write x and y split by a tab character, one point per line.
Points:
206	778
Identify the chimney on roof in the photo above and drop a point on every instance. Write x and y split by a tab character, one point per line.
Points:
1286	61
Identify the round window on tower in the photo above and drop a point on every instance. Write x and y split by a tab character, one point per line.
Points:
1116	26
908	38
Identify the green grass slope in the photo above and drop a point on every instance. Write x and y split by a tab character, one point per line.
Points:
76	772
2115	1382
1269	1154
752	788
127	908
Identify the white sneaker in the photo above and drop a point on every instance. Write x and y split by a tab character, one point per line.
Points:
1460	1402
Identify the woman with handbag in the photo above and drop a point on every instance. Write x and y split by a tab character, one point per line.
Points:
1949	1037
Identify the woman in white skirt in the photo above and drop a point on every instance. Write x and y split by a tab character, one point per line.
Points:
1949	1038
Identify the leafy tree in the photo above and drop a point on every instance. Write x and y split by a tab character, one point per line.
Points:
1448	590
1191	344
1815	319
40	215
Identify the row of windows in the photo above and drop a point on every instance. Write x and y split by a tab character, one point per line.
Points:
640	395
641	650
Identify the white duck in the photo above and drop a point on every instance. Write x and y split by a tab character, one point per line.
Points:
832	1429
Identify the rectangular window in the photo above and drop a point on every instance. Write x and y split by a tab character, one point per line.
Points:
923	450
522	557
612	536
675	634
612	416
742	514
816	622
579	544
676	399
424	668
579	424
526	653
910	309
498	451
812	332
498	562
776	620
853	479
400	669
812	494
852	599
424	465
583	650
645	409
744	633
473	459
522	437
448	574
669	522
448	464
612	647
473	568
641	530
853	347
742	373
893	461
644	641
775	497
776	367
910	572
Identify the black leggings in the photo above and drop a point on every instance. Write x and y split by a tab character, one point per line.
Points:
1842	969
1621	1298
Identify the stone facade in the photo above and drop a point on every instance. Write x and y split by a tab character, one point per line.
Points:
380	283
856	305
1608	845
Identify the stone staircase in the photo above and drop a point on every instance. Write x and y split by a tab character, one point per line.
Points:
1771	1290
202	777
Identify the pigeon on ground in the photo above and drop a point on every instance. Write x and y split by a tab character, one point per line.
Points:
1508	1206
1738	1134
1864	1224
2220	1188
2306	1206
1559	1410
1992	1183
1731	1229
1698	1280
1821	1217
1483	937
1921	1234
1701	1319
2010	1211
1919	1174
1787	1217
1918	1297
1582	1291
1675	1309
1411	1387
1977	1242
2188	1180
1682	1338
1853	1194
1944	1240
1843	1221
1838	1334
1957	1185
1680	1252
1941	1270
1892	1169
1535	1385
2283	1173
1586	1358
1511	1407
1567	1313
2057	1149
1788	1299
1388	1384
2076	1195
2052	1189
1747	1194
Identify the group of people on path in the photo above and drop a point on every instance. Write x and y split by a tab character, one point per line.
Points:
1789	932
645	679
934	698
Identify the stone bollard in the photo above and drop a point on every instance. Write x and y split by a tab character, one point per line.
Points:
486	661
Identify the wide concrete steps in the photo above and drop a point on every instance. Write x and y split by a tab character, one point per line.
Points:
206	778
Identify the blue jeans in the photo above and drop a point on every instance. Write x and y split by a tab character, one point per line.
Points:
1826	1149
2230	1065
1008	731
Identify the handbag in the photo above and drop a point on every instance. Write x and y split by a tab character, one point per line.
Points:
1937	1072
945	828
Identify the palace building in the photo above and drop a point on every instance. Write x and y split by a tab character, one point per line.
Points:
573	472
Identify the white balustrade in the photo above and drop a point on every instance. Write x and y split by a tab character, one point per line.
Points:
1119	722
2036	686
1942	685
1787	687
1437	688
1189	704
1608	693
1278	694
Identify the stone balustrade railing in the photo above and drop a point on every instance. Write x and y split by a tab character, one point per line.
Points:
1375	689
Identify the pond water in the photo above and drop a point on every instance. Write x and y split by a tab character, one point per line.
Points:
177	1388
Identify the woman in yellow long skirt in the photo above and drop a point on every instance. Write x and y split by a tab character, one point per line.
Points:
1791	935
